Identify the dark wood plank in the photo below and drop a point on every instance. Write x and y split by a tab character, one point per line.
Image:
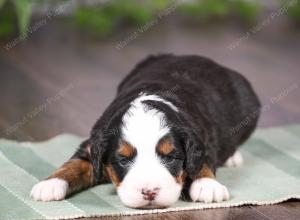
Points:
245	213
287	210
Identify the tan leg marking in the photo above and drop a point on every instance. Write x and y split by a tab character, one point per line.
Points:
205	172
78	173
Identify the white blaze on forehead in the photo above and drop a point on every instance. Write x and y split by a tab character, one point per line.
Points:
144	97
144	127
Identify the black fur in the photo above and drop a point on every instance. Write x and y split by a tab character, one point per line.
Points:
212	100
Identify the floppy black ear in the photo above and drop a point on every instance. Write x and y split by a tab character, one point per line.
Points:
98	148
105	135
102	139
194	154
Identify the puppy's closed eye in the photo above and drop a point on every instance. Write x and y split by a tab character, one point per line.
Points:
168	158
125	161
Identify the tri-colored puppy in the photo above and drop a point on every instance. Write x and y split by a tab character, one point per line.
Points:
175	119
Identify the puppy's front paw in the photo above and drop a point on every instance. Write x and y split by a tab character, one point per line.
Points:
48	190
208	190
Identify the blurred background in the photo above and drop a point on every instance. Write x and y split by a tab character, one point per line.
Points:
61	61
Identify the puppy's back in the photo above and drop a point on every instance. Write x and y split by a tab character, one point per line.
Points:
216	98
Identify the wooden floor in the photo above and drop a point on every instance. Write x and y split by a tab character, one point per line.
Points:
59	81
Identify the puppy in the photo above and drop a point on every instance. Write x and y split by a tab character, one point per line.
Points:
172	124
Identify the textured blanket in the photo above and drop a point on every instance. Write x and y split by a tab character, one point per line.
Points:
271	174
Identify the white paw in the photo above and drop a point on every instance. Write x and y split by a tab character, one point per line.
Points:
48	190
208	190
236	160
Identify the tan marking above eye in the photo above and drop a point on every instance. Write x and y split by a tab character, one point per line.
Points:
126	149
165	146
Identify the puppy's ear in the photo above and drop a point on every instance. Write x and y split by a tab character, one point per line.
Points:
194	154
104	137
98	148
193	146
101	140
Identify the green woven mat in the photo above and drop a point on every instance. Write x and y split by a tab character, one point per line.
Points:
271	174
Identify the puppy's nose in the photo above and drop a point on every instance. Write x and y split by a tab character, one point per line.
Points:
150	194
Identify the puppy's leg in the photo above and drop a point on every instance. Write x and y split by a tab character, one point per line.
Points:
76	174
205	188
236	160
